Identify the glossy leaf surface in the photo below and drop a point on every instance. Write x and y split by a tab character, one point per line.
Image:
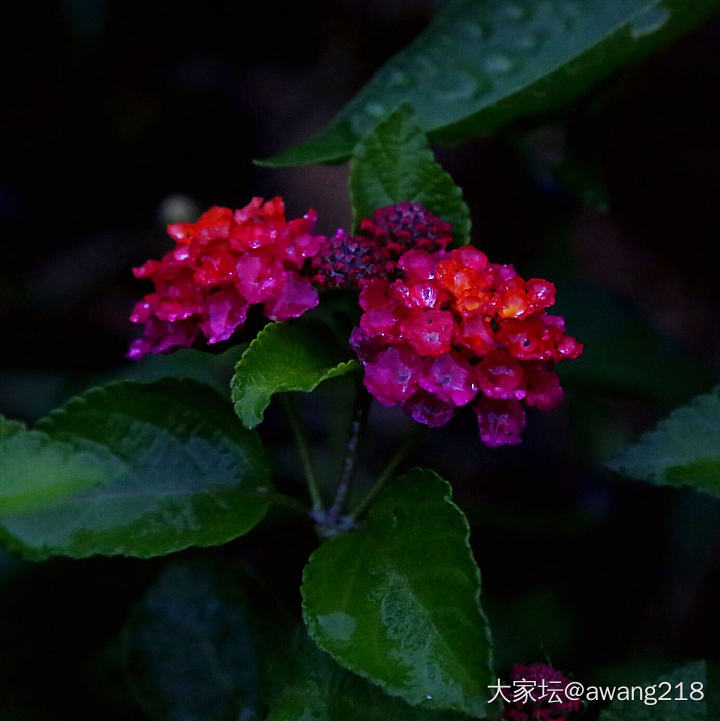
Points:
36	470
323	691
480	65
684	449
397	601
174	468
668	709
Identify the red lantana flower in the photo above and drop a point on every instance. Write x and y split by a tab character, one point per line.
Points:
220	266
453	329
440	329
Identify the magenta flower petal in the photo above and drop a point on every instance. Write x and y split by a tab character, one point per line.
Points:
292	299
450	378
226	310
500	423
427	408
392	377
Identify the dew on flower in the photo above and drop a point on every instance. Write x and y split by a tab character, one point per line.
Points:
477	333
221	265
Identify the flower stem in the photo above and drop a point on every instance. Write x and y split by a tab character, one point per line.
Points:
414	439
291	413
359	421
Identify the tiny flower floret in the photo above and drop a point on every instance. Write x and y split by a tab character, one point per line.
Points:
452	329
221	265
344	261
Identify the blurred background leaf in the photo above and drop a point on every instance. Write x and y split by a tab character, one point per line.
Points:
480	65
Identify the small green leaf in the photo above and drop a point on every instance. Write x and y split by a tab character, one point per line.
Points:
397	601
480	65
171	468
323	691
294	356
666	710
191	652
684	449
394	164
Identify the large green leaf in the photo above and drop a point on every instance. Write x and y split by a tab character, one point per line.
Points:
480	65
397	601
666	710
36	470
320	690
684	449
208	642
172	468
294	356
393	164
191	653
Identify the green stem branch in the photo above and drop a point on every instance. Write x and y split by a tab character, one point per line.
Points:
414	439
291	413
359	421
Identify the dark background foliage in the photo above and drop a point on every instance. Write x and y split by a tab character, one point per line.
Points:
119	117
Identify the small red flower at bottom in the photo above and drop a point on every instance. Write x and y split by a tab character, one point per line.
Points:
539	694
221	265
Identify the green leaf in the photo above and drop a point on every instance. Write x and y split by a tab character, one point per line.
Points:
174	469
393	164
191	652
323	691
210	642
480	65
37	470
684	449
397	601
294	356
670	710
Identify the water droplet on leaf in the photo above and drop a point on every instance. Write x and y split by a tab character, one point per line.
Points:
376	110
499	63
649	22
456	85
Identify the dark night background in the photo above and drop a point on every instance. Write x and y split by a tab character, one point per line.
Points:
119	117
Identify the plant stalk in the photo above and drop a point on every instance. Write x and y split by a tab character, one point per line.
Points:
291	413
414	439
359	421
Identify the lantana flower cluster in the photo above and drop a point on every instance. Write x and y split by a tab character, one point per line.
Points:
220	266
440	329
454	330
